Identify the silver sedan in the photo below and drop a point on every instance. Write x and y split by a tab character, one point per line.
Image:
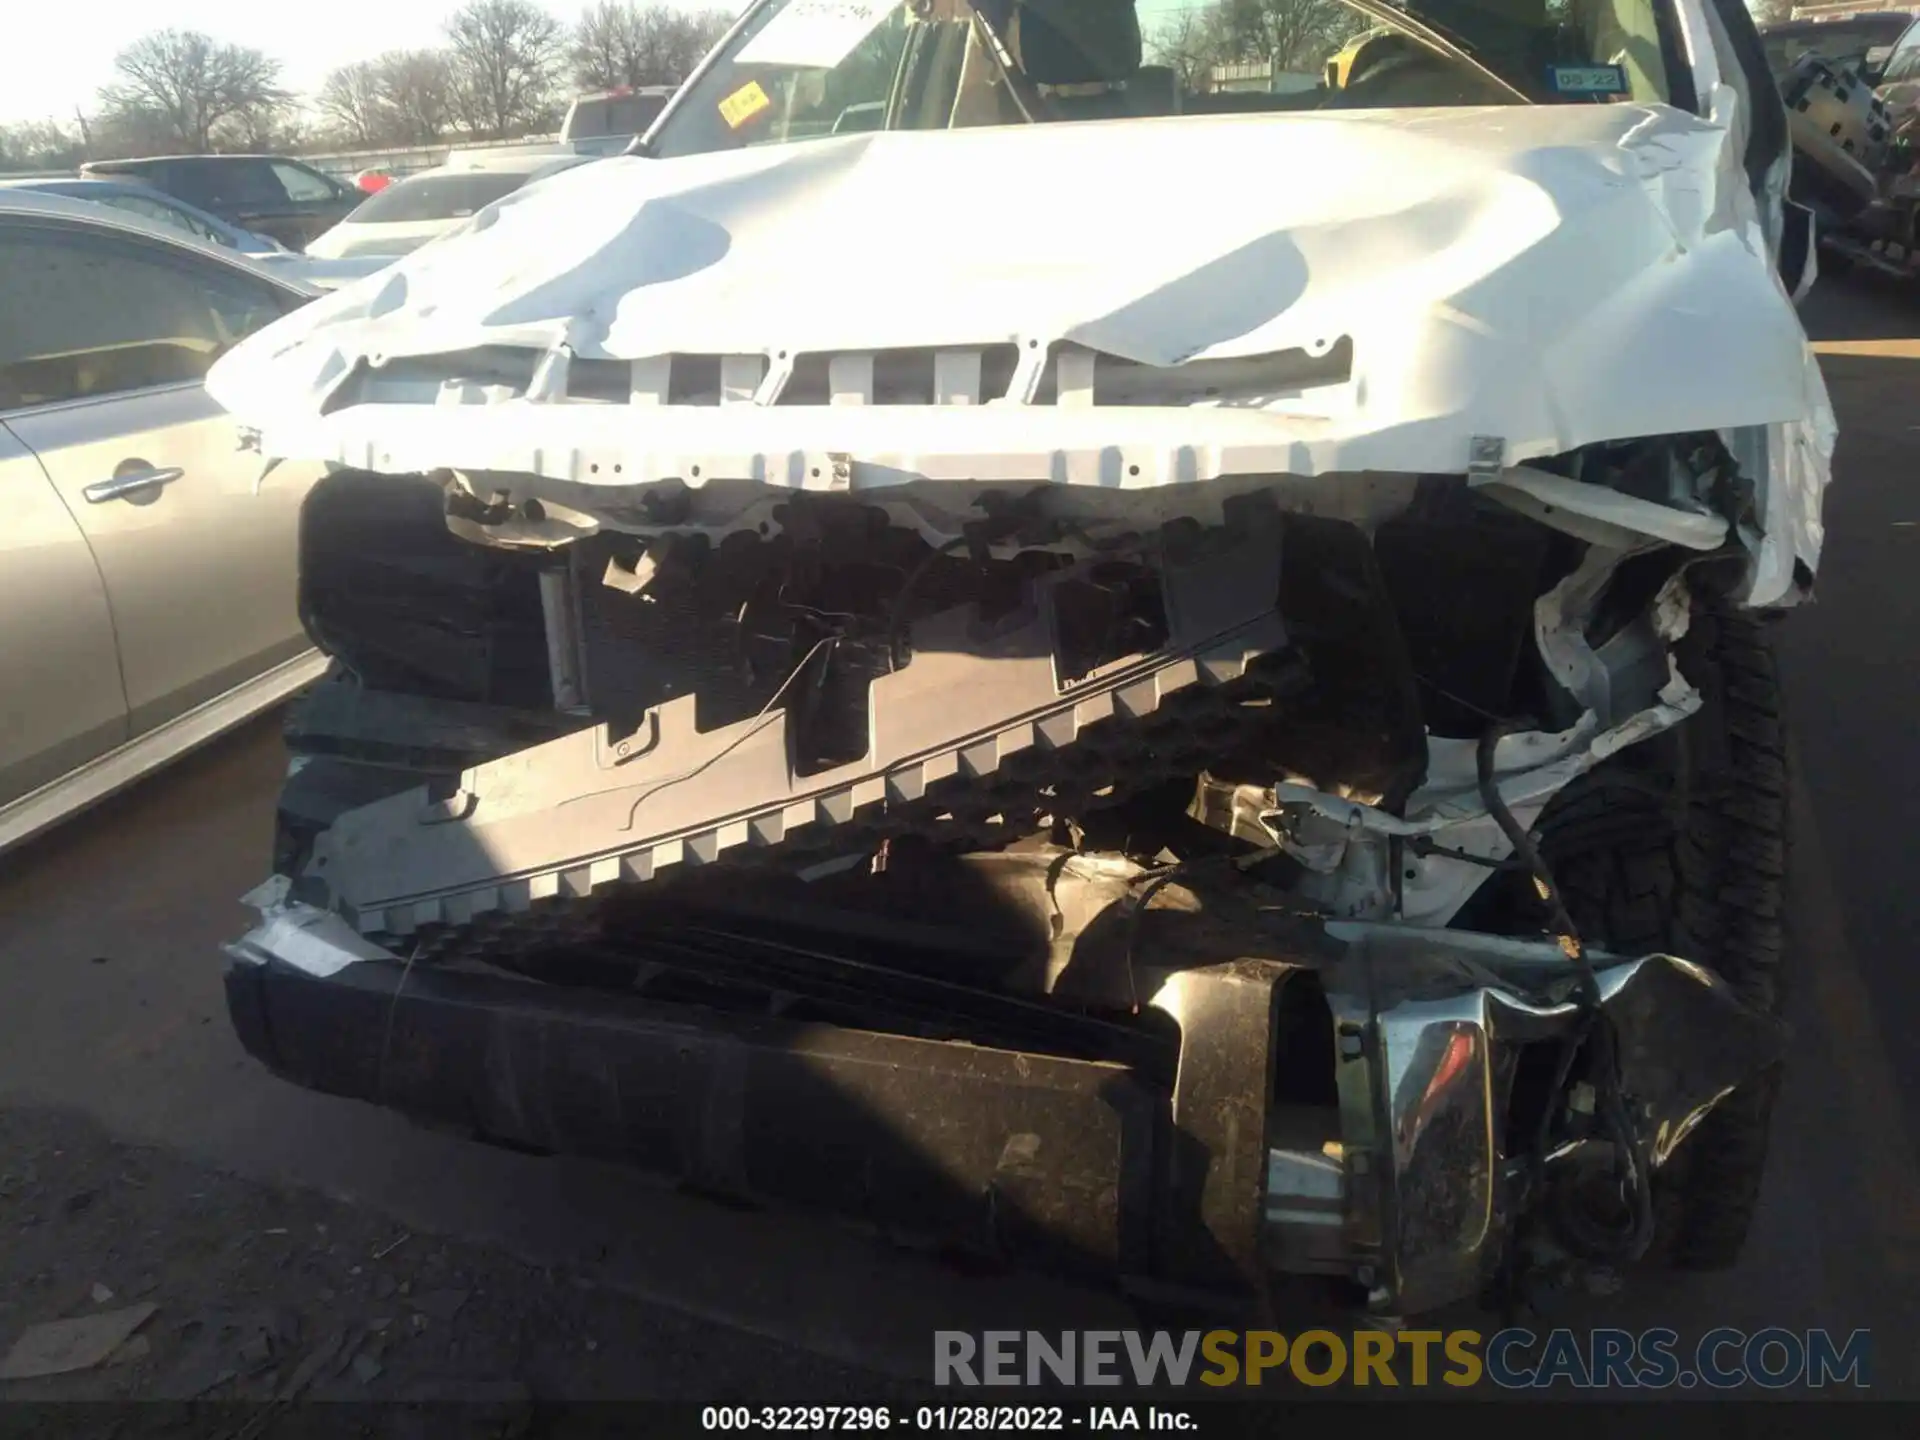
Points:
147	585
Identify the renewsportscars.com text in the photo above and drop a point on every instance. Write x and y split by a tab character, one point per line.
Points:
1724	1359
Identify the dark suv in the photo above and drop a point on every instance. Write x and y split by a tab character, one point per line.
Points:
291	201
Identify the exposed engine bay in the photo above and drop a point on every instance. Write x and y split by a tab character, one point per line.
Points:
800	688
1247	752
1026	775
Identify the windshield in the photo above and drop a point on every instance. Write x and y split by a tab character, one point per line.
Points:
799	69
613	115
437	197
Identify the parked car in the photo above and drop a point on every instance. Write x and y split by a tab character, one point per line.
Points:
1859	42
1166	681
408	213
272	194
608	121
146	573
1852	93
134	197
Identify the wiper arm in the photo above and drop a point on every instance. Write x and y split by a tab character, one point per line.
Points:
1420	30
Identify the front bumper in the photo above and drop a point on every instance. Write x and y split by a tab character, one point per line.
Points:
1210	1183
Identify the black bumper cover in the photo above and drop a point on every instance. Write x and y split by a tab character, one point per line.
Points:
1068	1165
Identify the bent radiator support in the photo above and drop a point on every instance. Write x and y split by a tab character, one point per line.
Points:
981	733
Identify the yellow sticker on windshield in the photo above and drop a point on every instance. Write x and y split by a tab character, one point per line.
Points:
743	104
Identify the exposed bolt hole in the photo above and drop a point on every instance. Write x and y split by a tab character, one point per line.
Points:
595	468
696	472
616	469
1133	469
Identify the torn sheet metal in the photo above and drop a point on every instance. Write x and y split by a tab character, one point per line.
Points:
1559	633
1611	518
1433	1021
1332	833
1538	274
1629	690
310	940
1790	463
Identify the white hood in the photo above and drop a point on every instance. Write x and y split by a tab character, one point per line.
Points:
1550	276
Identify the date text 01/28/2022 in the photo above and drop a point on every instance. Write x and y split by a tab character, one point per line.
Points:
997	1418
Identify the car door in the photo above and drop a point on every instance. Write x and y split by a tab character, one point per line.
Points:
318	202
1899	84
280	198
116	331
241	189
61	703
158	210
1903	60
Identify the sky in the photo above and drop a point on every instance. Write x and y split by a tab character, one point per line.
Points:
60	52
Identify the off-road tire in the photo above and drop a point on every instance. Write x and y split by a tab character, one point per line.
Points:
1681	846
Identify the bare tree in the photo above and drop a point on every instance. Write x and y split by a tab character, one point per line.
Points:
40	145
1290	34
270	125
353	101
506	56
620	43
416	95
190	83
404	97
123	130
1184	43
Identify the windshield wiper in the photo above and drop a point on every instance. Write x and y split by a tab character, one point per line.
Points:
1426	34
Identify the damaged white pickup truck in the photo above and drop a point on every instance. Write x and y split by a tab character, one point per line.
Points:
994	634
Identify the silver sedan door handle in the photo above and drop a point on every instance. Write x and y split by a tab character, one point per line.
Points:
127	483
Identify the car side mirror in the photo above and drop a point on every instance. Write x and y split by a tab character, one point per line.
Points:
1799	250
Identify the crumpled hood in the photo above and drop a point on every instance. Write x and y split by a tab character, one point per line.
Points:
1530	235
1552	276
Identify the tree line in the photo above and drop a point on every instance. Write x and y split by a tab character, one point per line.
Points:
506	68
